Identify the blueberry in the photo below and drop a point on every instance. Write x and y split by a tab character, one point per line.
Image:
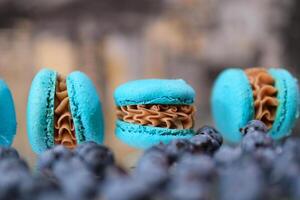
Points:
254	126
186	190
255	140
292	145
76	180
96	157
114	172
14	174
51	196
265	157
285	169
12	165
207	140
207	130
8	152
126	188
156	156
227	154
39	187
242	180
194	168
66	168
81	185
161	148
295	189
177	148
48	158
152	168
82	148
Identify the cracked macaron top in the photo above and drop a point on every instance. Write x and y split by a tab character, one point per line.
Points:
156	109
63	110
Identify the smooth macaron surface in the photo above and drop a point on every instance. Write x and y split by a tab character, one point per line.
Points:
40	110
288	97
8	124
142	137
86	108
154	91
232	103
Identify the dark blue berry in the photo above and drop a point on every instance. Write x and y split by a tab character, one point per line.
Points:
96	157
227	154
14	175
152	168
82	148
194	168
242	180
177	148
254	126
255	140
115	172
8	152
207	140
48	158
38	187
126	188
187	190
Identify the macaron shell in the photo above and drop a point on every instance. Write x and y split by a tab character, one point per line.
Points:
142	137
288	97
154	91
85	108
40	111
8	124
232	103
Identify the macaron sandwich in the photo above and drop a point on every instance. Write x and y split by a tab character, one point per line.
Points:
63	110
8	124
268	95
151	111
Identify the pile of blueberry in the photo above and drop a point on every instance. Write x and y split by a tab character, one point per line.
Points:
200	168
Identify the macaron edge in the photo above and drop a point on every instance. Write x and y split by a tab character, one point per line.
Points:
86	108
232	82
8	116
40	110
142	137
288	109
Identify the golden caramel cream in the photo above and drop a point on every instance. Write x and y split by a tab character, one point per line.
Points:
264	93
64	131
165	116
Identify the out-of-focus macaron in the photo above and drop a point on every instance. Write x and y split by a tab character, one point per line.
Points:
8	124
151	111
268	95
63	110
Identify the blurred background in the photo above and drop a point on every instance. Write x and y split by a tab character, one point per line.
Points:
116	41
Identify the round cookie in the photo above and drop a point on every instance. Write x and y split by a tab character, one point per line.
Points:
74	118
151	111
8	124
234	104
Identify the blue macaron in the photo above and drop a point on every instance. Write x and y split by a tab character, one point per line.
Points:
63	110
151	111
240	96
8	123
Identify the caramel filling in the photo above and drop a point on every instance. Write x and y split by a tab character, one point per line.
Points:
264	93
64	131
165	116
